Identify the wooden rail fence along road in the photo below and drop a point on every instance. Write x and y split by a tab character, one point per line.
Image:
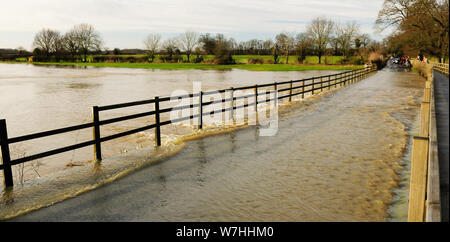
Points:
424	196
316	84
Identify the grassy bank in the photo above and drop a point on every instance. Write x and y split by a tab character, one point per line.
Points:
422	68
185	66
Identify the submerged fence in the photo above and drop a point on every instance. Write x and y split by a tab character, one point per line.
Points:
295	87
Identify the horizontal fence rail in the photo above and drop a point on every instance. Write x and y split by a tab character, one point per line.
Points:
441	67
295	88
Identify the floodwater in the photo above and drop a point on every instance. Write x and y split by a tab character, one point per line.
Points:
341	156
38	98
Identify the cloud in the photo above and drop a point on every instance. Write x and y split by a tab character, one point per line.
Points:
126	21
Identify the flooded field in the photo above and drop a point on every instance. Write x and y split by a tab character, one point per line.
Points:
39	98
342	156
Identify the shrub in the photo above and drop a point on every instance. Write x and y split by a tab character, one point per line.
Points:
359	61
345	61
165	58
198	59
142	59
224	60
130	59
255	61
98	59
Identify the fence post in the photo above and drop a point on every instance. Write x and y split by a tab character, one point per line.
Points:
6	158
200	119
336	80
275	88
157	123
321	85
303	89
232	104
312	92
96	134
256	98
329	82
290	91
349	79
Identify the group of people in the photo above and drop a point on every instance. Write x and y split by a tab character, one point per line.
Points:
405	61
422	58
401	61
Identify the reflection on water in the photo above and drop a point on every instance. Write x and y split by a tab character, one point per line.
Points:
339	157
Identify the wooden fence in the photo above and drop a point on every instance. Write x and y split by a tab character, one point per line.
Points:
315	84
443	68
424	195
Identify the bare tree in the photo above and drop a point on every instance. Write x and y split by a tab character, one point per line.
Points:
285	41
302	46
152	43
187	42
320	30
88	39
47	41
345	35
393	13
365	40
71	43
170	47
268	45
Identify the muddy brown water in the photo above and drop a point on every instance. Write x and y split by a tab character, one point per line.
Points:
342	156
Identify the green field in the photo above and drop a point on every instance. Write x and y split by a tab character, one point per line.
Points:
185	66
243	59
310	63
292	59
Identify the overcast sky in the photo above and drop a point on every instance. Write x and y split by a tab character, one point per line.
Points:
125	23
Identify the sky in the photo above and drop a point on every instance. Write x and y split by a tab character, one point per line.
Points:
125	23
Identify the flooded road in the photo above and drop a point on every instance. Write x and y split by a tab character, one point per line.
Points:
39	98
342	156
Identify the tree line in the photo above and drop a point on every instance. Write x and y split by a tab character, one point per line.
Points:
421	27
79	42
321	37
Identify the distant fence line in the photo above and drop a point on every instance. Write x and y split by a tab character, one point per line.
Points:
443	68
317	84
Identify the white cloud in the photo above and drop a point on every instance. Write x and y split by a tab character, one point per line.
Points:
124	22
